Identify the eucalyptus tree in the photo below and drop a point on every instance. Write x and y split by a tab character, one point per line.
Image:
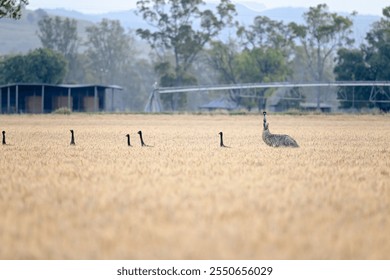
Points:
12	8
377	48
180	29
261	56
321	36
110	49
370	63
61	35
267	33
223	57
351	66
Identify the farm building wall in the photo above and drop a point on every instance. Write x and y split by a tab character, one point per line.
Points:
44	98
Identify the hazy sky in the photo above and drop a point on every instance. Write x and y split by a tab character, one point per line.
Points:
95	6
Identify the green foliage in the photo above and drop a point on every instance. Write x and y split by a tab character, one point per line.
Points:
267	33
369	63
223	57
351	66
38	66
173	101
12	8
253	65
262	65
267	47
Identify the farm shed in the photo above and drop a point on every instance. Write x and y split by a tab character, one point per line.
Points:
37	98
222	103
324	107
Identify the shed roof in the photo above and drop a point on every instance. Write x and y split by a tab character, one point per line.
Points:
314	105
220	103
64	85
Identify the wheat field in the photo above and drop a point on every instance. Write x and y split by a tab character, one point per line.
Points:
187	198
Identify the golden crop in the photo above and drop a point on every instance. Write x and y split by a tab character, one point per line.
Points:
187	198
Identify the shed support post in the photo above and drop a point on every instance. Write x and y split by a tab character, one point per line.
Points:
112	100
70	108
95	99
43	99
9	100
17	99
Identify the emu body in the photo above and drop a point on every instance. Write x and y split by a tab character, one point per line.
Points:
277	140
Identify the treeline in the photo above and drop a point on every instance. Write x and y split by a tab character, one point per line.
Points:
185	48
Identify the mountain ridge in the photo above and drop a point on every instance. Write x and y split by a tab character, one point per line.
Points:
20	36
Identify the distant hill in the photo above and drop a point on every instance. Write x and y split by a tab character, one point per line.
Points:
20	36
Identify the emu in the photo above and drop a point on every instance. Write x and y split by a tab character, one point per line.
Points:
128	140
72	138
276	140
142	140
4	143
221	141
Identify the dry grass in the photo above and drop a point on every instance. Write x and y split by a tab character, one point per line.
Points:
186	198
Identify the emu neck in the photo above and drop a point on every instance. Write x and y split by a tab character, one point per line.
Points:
142	140
72	139
128	140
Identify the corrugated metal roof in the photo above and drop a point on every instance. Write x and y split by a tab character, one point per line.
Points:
220	103
63	85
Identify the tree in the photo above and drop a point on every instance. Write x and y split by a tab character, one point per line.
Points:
268	33
267	47
351	66
61	35
377	53
181	29
369	63
12	8
223	58
13	70
110	50
38	66
323	34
